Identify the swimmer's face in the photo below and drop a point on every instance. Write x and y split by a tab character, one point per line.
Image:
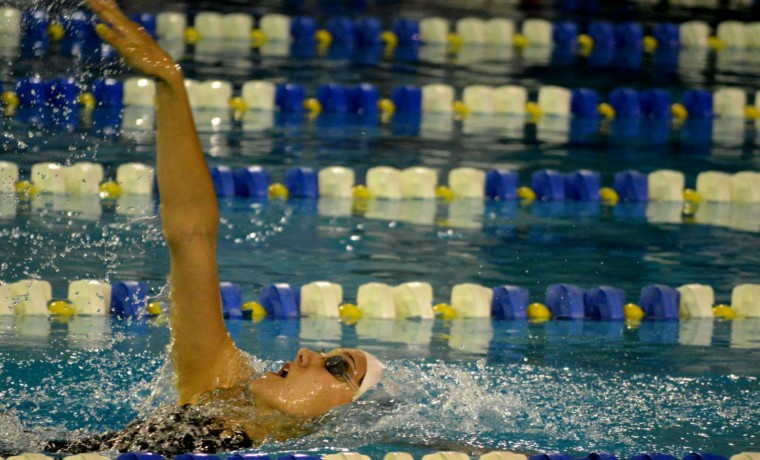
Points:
305	388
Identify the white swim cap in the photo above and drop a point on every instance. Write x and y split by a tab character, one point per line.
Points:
374	374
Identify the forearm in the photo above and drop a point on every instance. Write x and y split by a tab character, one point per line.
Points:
188	201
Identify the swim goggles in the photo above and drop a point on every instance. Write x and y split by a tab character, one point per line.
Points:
337	366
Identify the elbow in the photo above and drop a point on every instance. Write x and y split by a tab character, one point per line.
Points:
186	229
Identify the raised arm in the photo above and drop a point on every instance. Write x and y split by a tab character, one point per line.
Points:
205	357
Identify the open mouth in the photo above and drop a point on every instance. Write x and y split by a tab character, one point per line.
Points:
283	372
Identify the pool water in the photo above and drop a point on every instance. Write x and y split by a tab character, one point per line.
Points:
472	385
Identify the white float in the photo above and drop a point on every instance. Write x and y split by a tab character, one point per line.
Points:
84	178
346	456
375	300
90	297
171	25
10	23
503	455
753	35
538	32
135	179
554	101
384	182
418	183
259	95
466	213
336	182
30	456
421	212
135	205
746	456
745	187
499	32
213	94
510	100
275	27
237	26
8	176
49	177
693	34
321	299
191	88
7	306
696	301
434	31
413	300
209	25
139	92
696	331
399	456
438	98
31	297
467	182
471	300
666	185
384	209
745	300
87	456
446	456
472	31
479	99
733	34
729	102
714	186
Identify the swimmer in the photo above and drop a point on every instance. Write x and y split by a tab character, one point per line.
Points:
222	403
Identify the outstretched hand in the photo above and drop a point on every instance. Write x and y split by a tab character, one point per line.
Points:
137	48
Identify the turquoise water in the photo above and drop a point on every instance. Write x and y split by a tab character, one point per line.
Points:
558	386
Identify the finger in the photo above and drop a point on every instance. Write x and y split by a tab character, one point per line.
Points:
110	35
110	13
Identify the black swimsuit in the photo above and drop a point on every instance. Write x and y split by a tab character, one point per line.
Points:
170	431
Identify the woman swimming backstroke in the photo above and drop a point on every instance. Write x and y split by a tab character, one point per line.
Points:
210	370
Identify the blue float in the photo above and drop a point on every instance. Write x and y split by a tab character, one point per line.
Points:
603	34
129	298
196	456
653	456
667	35
333	97
302	183
510	302
140	456
108	92
548	184
78	27
147	21
289	98
31	92
34	30
299	457
251	182
501	184
232	299
655	103
63	93
407	99
582	185
565	33
342	30
251	456
224	182
368	32
363	99
585	103
699	103
407	31
550	456
599	456
303	29
281	301
631	186
604	303
629	35
659	302
626	103
565	301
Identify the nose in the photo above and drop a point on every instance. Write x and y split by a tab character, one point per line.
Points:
305	357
